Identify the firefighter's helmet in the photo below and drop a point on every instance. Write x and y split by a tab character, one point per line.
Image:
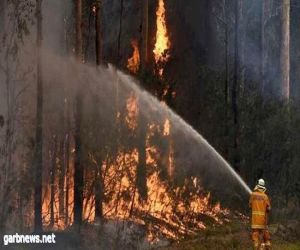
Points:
261	183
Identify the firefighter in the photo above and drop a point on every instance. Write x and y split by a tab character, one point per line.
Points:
260	205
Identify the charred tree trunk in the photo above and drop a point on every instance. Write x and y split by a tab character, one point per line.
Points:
62	116
237	81
78	164
262	46
52	181
98	29
61	183
67	159
145	34
285	50
209	51
79	36
99	193
99	156
226	82
39	127
66	120
235	88
120	30
141	175
131	208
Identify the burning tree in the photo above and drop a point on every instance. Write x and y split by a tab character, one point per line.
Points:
162	43
120	155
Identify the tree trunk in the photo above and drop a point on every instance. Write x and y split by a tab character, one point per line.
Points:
141	176
237	81
99	156
262	46
132	202
99	193
79	37
61	183
39	127
145	33
67	157
98	171
226	82
66	120
78	166
52	181
120	30
285	51
99	56
209	41
62	116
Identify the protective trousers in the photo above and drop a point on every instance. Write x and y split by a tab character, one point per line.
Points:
261	236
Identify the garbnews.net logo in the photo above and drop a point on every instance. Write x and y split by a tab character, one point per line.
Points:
28	239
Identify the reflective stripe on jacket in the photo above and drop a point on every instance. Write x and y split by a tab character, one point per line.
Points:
260	204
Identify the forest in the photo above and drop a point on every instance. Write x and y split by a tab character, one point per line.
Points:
145	124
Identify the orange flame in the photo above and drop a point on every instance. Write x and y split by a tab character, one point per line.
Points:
162	44
167	126
134	62
174	210
177	215
132	112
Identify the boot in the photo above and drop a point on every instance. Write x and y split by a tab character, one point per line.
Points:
268	245
256	245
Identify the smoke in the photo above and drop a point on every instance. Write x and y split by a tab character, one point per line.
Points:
193	156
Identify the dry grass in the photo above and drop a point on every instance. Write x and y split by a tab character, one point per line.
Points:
228	237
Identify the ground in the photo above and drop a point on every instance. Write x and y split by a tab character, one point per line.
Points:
235	235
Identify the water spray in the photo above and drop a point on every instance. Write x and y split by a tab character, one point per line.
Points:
151	100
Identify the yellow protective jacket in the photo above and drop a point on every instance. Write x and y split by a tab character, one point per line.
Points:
260	204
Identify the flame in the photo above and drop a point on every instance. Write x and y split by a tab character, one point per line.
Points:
162	44
167	132
173	212
171	164
134	62
59	219
132	112
167	127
